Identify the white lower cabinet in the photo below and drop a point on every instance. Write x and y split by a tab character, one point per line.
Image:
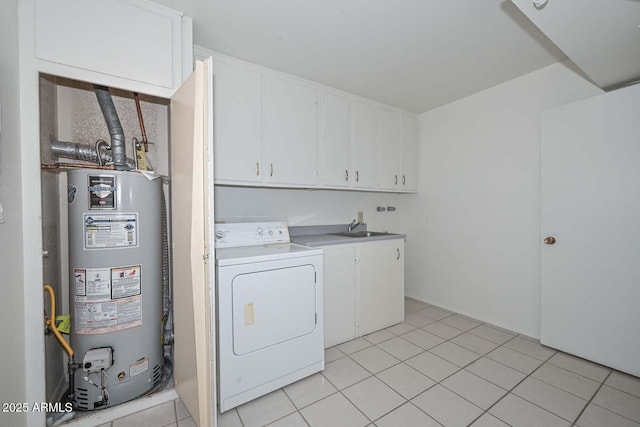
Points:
339	294
363	288
381	285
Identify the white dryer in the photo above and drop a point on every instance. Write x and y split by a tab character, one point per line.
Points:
269	310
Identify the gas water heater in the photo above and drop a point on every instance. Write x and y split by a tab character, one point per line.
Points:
115	257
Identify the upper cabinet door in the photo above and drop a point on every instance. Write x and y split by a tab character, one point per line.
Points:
335	143
290	131
390	149
365	145
409	130
237	94
119	43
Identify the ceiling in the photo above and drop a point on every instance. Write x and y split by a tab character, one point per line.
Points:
413	54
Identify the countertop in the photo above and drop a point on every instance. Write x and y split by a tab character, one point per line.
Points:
322	235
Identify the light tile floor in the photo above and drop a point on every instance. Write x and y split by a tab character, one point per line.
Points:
437	368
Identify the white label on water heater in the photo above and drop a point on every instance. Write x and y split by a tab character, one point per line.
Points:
110	230
139	367
107	299
125	281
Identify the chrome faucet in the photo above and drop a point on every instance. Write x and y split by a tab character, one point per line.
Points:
353	225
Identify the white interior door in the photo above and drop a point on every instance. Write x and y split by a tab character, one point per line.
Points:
591	206
192	207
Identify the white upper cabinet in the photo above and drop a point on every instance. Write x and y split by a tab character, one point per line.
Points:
365	145
398	150
390	149
276	130
409	131
237	94
335	141
290	131
134	45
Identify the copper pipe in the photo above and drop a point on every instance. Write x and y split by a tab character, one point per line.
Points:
141	120
63	165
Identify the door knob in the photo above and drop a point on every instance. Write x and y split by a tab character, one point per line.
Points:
550	240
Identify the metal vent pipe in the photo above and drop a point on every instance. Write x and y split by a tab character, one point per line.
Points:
77	151
115	128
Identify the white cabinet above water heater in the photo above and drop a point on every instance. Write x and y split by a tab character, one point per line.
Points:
133	45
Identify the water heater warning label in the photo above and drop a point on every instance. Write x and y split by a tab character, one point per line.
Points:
107	299
110	231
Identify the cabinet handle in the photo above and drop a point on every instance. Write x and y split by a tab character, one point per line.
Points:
257	168
357	176
271	172
346	174
398	251
404	180
396	180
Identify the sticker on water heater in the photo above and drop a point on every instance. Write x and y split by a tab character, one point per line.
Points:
80	282
98	284
107	299
125	281
138	367
110	230
93	318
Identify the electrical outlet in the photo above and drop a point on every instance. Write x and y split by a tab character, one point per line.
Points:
360	216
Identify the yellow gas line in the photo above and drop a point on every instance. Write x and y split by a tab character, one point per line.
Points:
51	322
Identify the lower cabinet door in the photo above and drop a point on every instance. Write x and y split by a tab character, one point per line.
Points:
381	301
339	294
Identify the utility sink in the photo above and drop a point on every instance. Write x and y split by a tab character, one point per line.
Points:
362	234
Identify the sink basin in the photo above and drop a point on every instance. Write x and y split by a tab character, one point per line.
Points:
362	234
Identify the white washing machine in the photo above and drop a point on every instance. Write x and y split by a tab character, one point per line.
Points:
269	311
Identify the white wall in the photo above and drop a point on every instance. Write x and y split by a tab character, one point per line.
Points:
478	212
12	358
311	207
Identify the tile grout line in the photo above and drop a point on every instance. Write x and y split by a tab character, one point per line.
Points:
510	391
294	407
607	409
399	362
338	391
594	395
460	368
465	366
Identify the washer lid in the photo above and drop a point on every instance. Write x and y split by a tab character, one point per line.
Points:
250	254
